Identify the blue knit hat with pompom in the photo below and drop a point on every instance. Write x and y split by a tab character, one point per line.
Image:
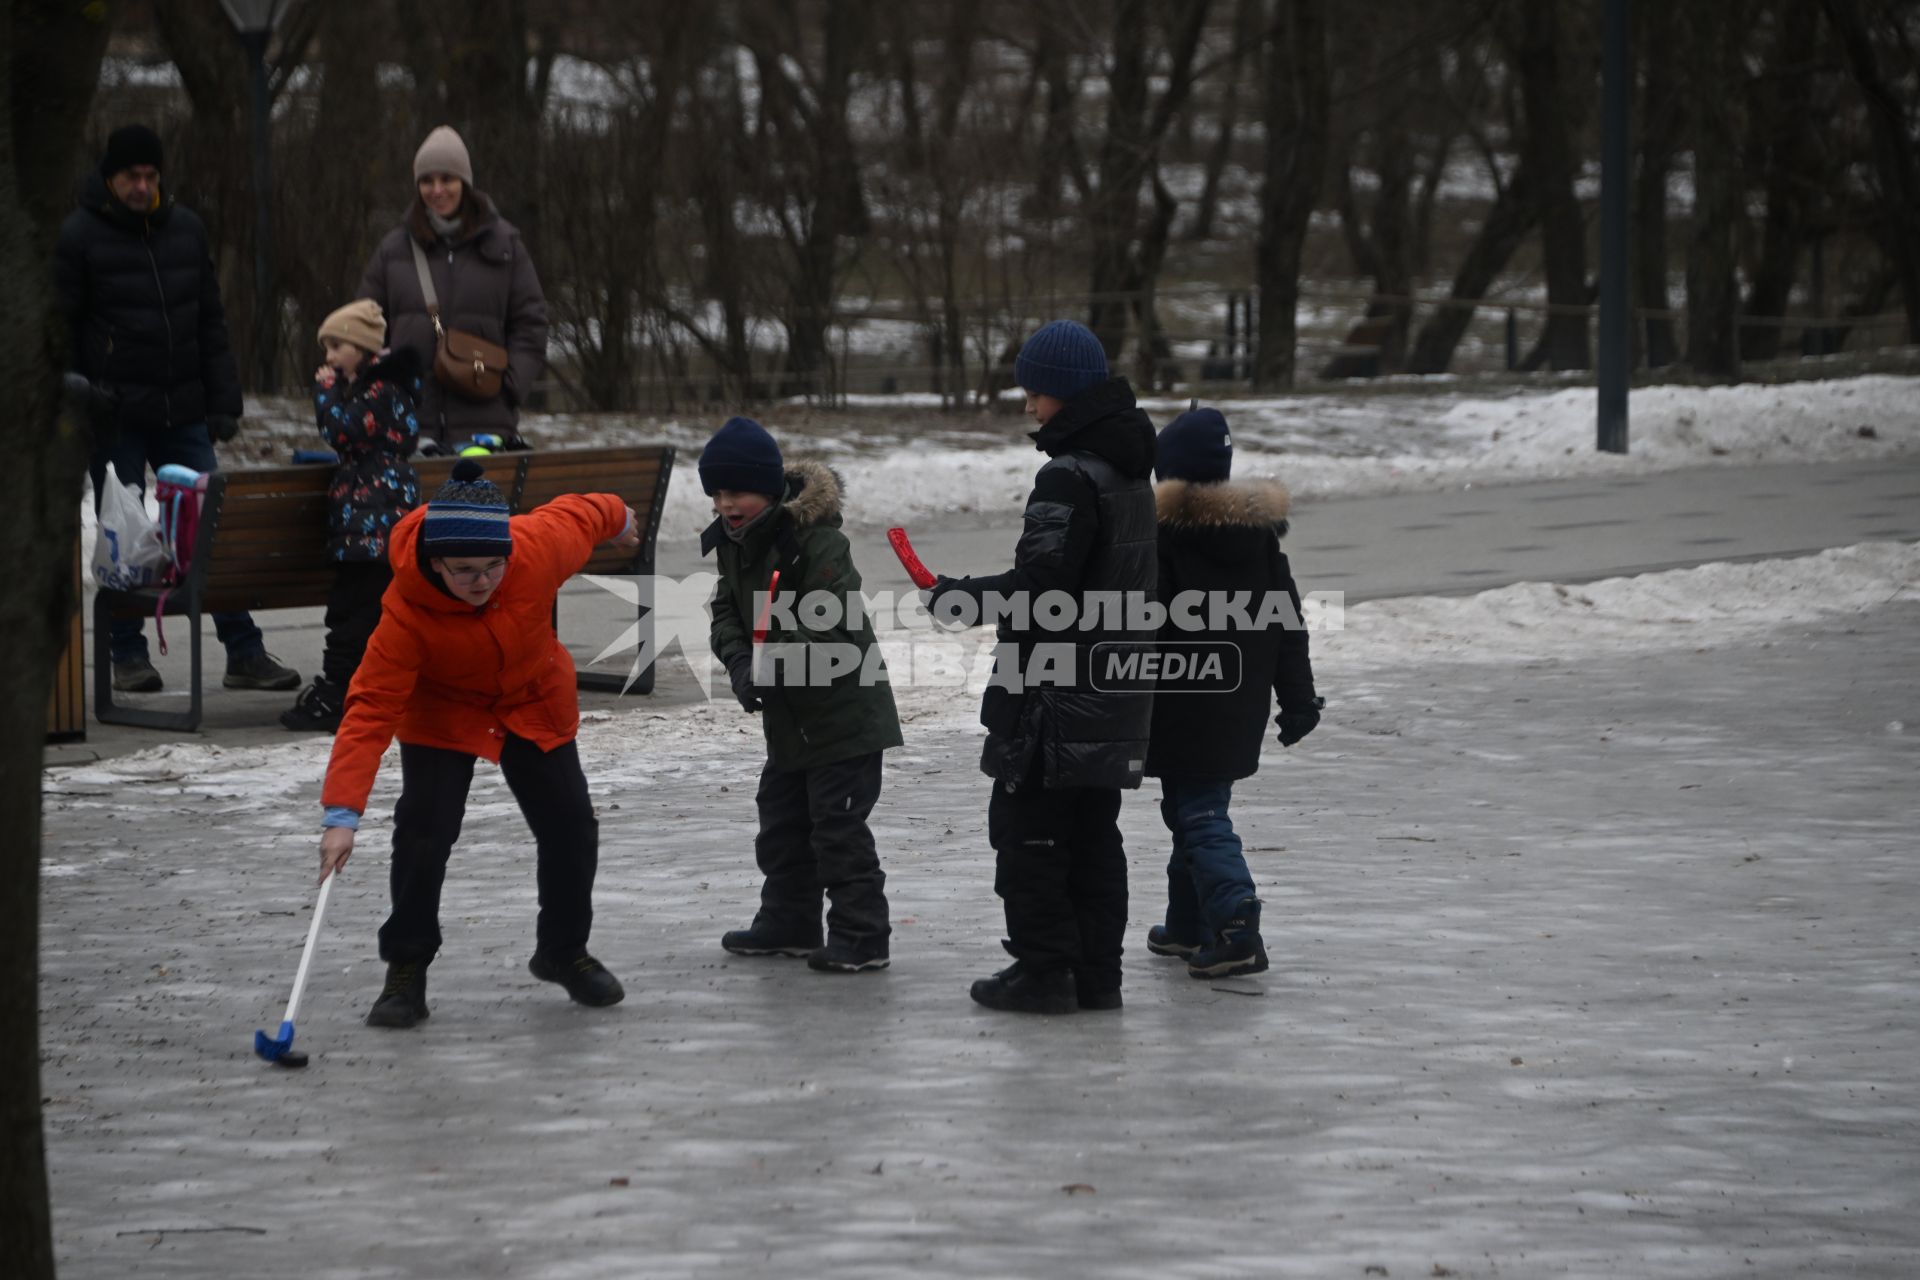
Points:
468	517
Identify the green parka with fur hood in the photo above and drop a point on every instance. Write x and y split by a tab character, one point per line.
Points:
807	724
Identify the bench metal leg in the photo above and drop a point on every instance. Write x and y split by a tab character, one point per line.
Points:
107	711
609	682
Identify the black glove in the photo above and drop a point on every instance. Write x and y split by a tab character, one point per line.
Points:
1297	722
943	586
740	675
222	427
99	403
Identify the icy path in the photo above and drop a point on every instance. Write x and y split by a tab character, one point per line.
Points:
1596	963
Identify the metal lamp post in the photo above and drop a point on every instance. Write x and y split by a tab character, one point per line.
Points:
255	21
1615	317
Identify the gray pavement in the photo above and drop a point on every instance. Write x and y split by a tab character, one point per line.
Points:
1581	968
1446	542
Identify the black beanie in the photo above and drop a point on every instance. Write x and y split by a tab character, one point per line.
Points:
744	457
1195	446
130	145
468	517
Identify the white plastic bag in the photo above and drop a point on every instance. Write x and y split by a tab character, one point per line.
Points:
129	551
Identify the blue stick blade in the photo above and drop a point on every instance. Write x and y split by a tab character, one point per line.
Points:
271	1048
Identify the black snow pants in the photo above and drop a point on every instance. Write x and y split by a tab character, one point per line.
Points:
1061	871
353	611
552	793
814	838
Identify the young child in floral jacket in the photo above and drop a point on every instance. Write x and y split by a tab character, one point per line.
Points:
364	398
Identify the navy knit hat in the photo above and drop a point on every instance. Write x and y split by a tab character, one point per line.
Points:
130	145
1195	446
1061	360
468	517
744	457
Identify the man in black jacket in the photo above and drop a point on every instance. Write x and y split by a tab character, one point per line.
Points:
1062	742
133	276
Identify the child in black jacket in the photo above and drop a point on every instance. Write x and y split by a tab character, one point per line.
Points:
1218	538
364	398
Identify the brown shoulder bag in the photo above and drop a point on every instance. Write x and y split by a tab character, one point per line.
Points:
469	366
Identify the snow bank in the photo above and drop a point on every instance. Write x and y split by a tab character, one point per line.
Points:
1343	446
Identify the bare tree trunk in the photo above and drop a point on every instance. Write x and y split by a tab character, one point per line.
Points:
1659	121
1297	110
1712	42
1154	351
1246	27
1514	212
1785	139
1899	171
1381	248
47	76
1547	146
1128	153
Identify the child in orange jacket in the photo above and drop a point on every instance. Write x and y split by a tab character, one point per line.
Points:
465	664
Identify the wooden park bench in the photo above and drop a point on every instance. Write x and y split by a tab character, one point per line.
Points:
262	544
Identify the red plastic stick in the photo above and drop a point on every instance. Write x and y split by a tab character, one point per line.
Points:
766	610
921	575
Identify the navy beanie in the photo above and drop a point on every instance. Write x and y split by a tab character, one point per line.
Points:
1195	446
1061	360
468	517
742	456
130	145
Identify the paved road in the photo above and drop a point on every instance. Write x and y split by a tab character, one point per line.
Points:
1449	542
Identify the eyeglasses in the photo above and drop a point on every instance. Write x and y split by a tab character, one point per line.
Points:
467	577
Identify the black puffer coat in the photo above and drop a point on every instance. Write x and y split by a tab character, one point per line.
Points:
140	293
487	286
1089	528
371	423
1218	540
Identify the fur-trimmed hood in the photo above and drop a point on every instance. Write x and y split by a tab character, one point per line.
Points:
1251	504
815	492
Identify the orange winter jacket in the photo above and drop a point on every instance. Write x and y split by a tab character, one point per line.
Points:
441	673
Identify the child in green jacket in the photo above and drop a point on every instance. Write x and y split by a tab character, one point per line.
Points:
822	691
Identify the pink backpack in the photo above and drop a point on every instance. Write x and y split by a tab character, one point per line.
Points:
181	492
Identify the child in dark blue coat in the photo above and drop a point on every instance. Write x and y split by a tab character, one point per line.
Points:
364	398
1218	537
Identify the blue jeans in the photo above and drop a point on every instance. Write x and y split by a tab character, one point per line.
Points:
131	454
1207	876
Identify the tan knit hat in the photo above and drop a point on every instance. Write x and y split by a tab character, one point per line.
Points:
359	322
443	152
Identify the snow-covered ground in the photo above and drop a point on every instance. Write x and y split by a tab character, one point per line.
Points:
1588	908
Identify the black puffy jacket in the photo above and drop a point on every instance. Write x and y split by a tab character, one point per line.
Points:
1223	542
1088	531
140	293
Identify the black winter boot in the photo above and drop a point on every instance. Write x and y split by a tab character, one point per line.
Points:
1162	943
763	939
1236	947
1019	989
585	978
317	708
403	1001
258	671
842	957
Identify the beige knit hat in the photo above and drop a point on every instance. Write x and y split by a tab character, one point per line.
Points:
443	152
359	322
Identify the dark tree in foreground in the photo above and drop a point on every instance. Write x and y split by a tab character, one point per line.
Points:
1297	107
51	64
